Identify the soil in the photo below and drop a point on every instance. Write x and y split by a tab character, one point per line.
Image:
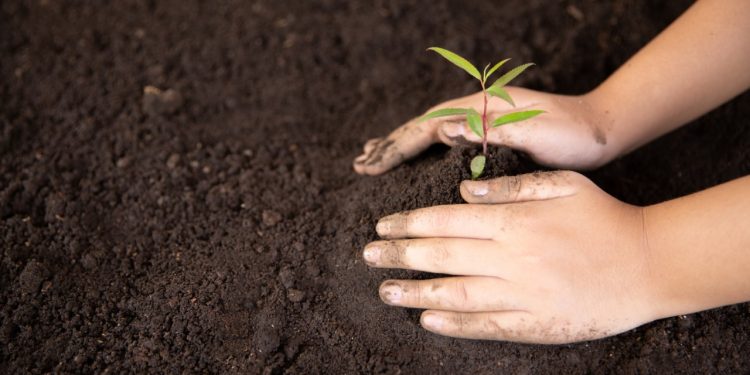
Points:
176	192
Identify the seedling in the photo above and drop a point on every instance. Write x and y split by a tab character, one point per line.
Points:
479	123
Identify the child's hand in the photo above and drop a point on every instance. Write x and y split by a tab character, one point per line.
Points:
572	134
542	258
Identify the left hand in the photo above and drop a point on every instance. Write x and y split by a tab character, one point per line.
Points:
573	134
539	258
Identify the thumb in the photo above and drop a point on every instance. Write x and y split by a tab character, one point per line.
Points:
522	188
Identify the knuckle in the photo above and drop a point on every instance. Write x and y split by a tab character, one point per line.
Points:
461	322
431	293
460	295
434	217
508	187
493	328
446	216
394	253
408	220
515	185
440	254
417	294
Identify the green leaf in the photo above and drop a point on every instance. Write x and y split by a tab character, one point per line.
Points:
513	73
500	93
458	61
516	117
484	73
494	68
475	122
443	112
477	166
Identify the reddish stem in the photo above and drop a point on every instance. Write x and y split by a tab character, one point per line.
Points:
485	128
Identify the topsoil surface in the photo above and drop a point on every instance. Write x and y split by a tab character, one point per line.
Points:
218	227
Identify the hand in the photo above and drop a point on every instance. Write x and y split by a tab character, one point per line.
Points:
572	134
540	258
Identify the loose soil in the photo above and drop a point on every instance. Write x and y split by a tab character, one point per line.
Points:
176	192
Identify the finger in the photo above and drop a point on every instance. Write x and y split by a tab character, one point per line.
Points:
360	158
516	326
522	188
370	145
402	144
453	256
460	220
366	151
466	294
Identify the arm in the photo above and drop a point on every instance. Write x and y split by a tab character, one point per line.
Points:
701	243
699	62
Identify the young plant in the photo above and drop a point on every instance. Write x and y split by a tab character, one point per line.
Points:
479	123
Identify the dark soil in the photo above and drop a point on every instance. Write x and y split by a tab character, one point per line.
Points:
217	227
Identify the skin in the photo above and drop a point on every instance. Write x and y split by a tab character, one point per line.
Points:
549	257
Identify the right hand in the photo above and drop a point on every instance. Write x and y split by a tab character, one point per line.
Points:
572	134
523	268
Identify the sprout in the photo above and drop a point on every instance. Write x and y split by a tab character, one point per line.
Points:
479	123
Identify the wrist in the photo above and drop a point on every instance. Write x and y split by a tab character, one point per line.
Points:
600	118
659	280
681	273
655	298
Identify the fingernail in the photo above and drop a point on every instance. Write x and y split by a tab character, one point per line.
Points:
432	321
391	293
478	188
453	130
372	254
389	225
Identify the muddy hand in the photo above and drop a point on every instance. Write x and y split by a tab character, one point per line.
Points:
573	133
382	154
542	258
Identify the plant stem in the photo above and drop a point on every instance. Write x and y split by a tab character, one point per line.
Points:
485	128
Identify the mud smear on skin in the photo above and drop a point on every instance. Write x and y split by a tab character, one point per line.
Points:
599	136
383	148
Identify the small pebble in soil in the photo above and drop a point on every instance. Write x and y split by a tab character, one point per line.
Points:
270	218
292	347
46	286
173	160
158	102
267	338
123	162
32	277
286	276
295	295
88	262
299	246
